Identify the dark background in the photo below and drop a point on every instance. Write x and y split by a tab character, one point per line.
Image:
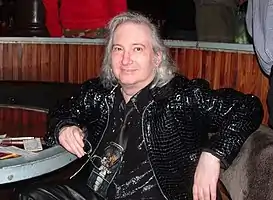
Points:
168	14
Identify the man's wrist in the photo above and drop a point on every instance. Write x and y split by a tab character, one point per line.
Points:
211	156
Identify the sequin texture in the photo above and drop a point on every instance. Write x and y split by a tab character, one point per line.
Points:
175	126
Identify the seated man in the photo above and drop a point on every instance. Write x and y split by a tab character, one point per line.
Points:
145	128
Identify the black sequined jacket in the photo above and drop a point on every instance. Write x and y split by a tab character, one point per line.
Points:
175	126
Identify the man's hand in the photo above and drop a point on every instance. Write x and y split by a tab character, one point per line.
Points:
71	138
206	177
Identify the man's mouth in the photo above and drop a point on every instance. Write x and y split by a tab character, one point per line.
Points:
129	70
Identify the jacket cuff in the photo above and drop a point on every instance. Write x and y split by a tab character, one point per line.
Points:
61	125
223	162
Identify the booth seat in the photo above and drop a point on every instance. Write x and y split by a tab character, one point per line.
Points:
250	175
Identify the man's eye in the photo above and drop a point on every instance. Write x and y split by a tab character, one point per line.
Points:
117	49
138	49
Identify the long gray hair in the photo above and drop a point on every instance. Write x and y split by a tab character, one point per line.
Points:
166	69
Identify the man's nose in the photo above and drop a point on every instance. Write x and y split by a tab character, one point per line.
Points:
126	58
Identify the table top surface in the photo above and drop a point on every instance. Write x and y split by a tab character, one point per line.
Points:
22	168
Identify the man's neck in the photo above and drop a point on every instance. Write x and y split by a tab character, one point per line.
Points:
128	93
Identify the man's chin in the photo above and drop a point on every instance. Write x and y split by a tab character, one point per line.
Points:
127	83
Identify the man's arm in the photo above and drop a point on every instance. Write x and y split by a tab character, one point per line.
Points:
259	20
52	18
232	116
70	112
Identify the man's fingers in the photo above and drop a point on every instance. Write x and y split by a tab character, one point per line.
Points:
200	194
78	142
206	193
213	192
77	149
74	144
67	147
71	138
79	137
195	192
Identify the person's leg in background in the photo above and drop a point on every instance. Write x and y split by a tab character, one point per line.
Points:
270	100
215	23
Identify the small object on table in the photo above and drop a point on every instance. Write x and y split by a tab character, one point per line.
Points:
4	155
27	143
33	144
15	150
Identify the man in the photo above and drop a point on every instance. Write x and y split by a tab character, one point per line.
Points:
85	18
259	20
216	20
145	128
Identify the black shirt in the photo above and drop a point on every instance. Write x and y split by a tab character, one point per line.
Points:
134	179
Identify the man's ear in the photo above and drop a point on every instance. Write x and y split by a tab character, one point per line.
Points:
158	58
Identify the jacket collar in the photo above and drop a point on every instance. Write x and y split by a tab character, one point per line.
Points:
157	93
160	93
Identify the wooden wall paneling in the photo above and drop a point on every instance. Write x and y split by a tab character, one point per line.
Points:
54	63
35	56
17	122
7	62
16	62
94	62
62	63
226	74
77	63
2	61
28	71
72	62
44	65
81	63
90	62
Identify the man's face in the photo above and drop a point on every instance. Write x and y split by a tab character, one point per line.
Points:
133	59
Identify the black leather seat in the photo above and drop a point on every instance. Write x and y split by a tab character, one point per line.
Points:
42	95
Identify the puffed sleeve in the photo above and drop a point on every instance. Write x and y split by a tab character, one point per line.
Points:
232	116
78	110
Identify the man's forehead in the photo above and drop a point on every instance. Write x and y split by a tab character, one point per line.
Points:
133	34
132	42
